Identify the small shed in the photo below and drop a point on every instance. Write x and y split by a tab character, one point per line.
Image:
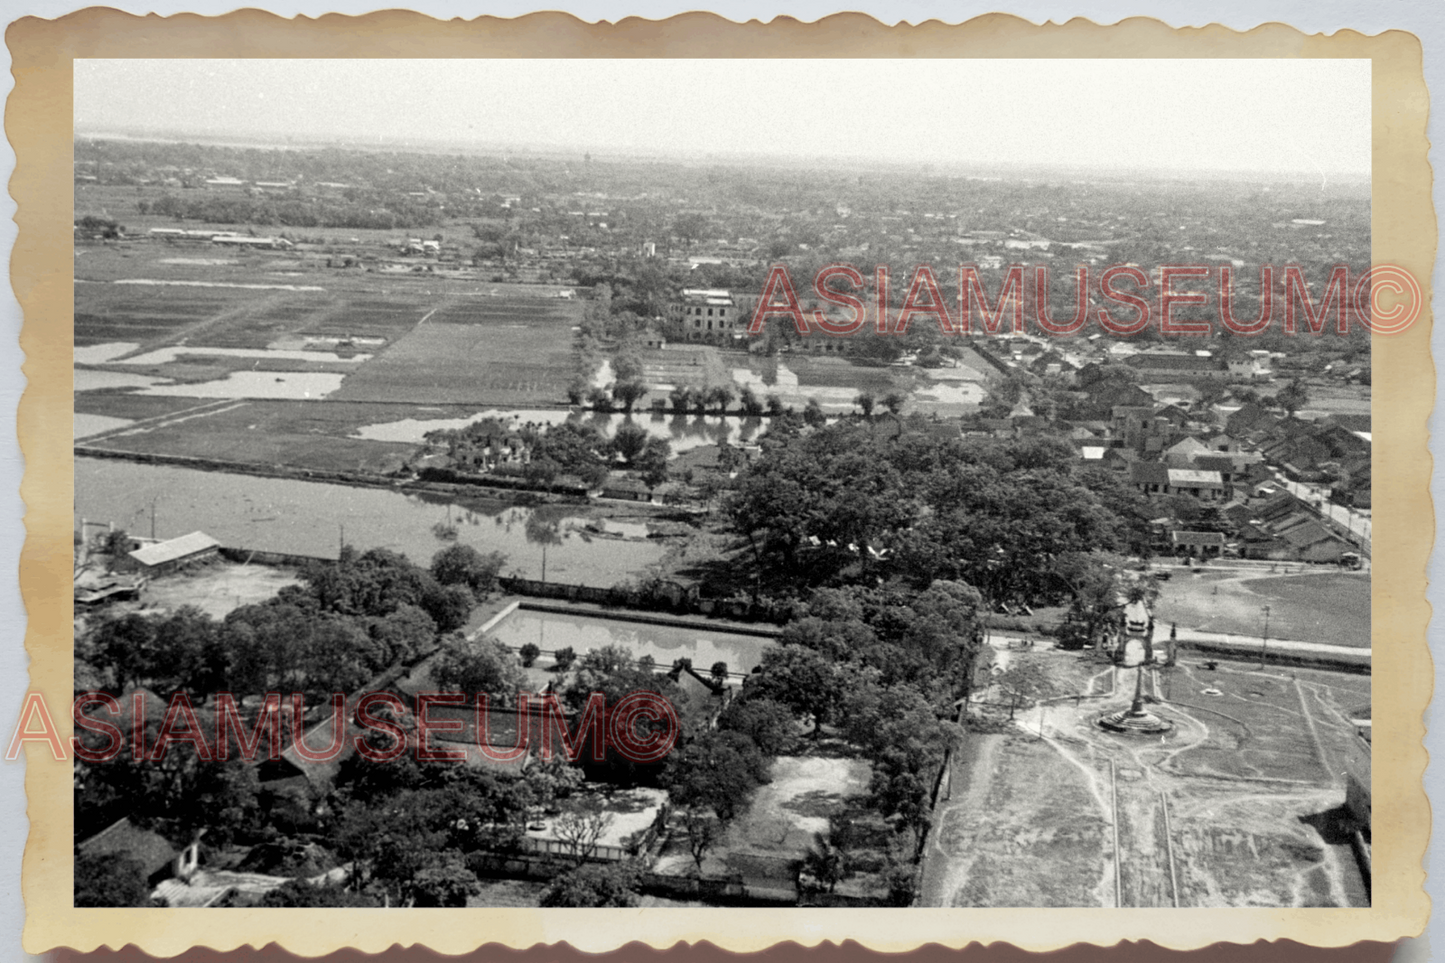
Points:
627	489
167	556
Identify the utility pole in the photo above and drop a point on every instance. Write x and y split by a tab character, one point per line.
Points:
1264	639
153	516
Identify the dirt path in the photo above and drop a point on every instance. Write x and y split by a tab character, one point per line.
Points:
969	779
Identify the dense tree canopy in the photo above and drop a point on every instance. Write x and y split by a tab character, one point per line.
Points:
859	501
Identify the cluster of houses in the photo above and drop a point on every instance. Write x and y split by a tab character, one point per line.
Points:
1225	465
180	874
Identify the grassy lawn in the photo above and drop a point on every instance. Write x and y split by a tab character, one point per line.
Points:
301	434
1330	607
469	363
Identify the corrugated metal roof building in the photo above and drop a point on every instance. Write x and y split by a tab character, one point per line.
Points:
171	554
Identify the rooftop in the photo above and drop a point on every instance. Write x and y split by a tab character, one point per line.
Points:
175	548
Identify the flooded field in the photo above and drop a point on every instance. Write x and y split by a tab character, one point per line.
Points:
255	384
310	518
87	379
682	431
87	425
101	353
166	355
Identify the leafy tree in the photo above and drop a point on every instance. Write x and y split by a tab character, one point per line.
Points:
813	413
404	634
894	402
564	658
865	402
652	463
718	770
689	227
770	725
582	825
720	396
594	885
703	829
806	682
449	607
630	441
573	448
446	883
464	565
1293	396
752	406
110	879
600	399
188	651
115	544
628	393
900	730
300	894
627	363
900	870
529	653
681	398
126	647
479	665
1096	586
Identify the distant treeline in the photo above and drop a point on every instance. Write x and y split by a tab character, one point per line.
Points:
324	212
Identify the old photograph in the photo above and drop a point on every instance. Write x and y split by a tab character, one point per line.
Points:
723	483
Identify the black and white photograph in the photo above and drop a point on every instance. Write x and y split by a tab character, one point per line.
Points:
723	483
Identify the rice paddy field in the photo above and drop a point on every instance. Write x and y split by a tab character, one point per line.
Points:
397	334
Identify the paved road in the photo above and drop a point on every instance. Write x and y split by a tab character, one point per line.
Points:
1352	522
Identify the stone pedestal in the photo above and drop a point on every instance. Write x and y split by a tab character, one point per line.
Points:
1135	719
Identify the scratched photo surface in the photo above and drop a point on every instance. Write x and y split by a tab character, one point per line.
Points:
703	485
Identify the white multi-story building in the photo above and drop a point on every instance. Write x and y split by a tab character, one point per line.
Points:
706	314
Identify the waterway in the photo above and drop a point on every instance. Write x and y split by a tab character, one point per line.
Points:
311	518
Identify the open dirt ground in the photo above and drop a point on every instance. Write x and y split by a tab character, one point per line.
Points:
1239	805
1331	607
219	587
764	843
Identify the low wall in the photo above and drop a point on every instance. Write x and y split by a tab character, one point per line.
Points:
246	556
648	618
1281	652
670	597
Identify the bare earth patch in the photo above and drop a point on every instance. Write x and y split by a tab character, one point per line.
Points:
218	588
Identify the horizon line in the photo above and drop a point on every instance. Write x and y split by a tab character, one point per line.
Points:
276	140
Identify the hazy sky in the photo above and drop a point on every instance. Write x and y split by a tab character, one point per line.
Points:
1229	115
